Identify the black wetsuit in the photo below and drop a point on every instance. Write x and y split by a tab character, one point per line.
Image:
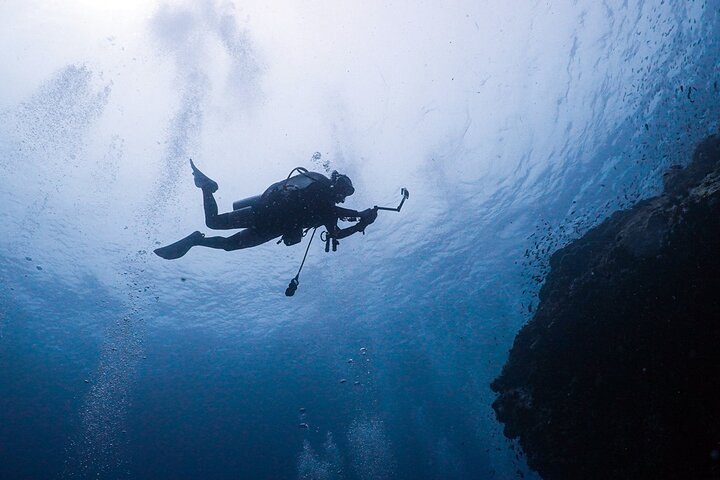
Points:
285	209
303	201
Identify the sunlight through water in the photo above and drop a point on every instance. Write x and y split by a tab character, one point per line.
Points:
516	127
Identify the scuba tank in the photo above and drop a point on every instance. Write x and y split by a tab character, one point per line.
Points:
246	202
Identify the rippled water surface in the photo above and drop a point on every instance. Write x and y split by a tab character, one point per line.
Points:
515	128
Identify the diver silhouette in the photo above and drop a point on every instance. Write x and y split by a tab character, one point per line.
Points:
287	209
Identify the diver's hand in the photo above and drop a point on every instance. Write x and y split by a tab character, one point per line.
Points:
368	216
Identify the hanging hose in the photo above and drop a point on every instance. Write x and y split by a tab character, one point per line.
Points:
292	286
329	239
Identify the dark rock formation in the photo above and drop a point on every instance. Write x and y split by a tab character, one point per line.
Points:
617	376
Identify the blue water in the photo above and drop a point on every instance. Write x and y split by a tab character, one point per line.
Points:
515	128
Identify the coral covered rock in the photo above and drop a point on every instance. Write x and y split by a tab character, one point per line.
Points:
617	375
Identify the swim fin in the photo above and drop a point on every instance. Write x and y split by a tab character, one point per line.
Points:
203	181
179	248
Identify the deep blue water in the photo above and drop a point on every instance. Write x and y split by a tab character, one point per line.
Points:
514	128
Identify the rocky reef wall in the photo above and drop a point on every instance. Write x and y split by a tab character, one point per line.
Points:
617	375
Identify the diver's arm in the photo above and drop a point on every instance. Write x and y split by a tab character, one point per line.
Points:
339	233
368	215
366	218
346	213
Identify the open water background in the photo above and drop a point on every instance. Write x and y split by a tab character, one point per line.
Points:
515	128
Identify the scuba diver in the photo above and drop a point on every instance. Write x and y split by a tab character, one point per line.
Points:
287	209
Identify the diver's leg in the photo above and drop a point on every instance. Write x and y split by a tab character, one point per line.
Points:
209	204
238	218
244	239
243	218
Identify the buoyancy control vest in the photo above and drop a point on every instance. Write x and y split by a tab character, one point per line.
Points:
289	206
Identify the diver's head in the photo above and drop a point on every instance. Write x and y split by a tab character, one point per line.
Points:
341	186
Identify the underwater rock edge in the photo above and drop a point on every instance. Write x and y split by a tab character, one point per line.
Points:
617	375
